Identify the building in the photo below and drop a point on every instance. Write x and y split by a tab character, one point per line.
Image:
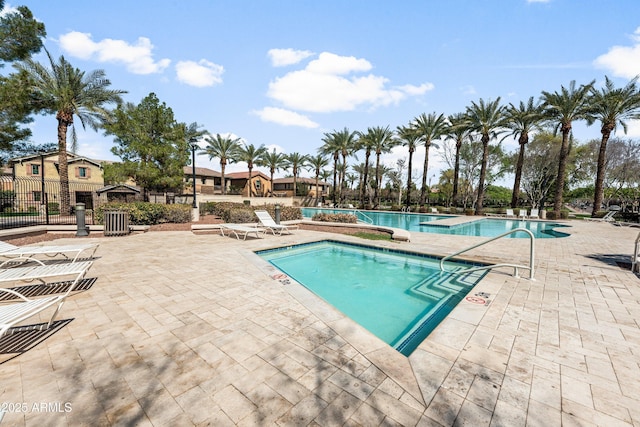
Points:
239	183
35	181
283	187
208	181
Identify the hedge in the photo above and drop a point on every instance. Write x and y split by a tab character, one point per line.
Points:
145	213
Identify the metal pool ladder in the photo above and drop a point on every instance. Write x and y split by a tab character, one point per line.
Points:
366	217
515	266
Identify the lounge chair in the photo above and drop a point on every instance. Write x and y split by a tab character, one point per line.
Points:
607	218
21	307
534	214
522	214
21	254
241	229
269	224
434	210
510	213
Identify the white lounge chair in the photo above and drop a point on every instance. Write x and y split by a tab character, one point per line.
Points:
16	311
241	229
15	253
269	224
607	218
434	210
510	213
522	214
534	214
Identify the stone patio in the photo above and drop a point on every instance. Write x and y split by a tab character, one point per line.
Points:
183	329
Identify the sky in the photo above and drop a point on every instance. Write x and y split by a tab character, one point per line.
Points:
283	73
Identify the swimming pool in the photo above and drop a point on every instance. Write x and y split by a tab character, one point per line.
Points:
426	223
398	296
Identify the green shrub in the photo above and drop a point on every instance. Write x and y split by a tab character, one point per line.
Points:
144	213
343	218
240	216
470	212
396	207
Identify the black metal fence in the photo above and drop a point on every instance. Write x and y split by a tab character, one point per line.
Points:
27	201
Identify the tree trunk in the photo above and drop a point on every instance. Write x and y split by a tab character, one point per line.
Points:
363	189
64	121
335	172
562	166
376	191
516	183
224	187
409	178
249	183
602	158
423	190
483	173
456	172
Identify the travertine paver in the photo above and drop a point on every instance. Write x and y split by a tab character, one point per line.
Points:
185	329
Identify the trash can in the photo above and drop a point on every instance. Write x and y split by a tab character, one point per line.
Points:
116	223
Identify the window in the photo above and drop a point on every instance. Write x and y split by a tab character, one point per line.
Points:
37	196
35	169
83	172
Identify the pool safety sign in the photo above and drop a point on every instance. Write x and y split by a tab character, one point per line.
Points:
481	298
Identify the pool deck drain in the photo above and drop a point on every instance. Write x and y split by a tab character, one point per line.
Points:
185	329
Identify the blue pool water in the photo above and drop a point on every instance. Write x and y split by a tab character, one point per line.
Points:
484	227
398	296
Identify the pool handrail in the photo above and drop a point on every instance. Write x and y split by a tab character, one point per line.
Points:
368	218
487	267
635	262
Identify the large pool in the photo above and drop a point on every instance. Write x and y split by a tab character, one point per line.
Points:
484	227
398	296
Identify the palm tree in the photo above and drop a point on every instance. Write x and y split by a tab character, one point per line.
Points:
430	127
562	108
331	148
317	162
274	161
67	92
409	137
226	149
250	154
487	119
521	120
296	161
381	140
339	143
459	132
365	142
610	106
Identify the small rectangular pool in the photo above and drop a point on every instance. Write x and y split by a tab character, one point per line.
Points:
398	296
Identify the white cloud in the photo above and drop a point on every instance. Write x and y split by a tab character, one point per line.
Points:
623	61
633	129
326	85
200	74
285	117
137	57
468	90
283	57
7	9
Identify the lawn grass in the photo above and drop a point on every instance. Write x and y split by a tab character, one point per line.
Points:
373	236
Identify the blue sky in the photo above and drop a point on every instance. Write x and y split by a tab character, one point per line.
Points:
282	73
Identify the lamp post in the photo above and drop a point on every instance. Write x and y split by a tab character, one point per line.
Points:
193	143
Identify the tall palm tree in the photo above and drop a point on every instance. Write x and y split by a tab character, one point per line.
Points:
610	106
430	127
365	142
521	121
274	161
562	108
409	137
487	119
331	148
226	149
67	92
295	162
382	141
317	162
459	132
252	155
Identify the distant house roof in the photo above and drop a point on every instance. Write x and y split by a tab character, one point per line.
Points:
188	170
72	158
289	180
245	175
118	188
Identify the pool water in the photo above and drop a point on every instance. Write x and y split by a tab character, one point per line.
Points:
398	296
427	223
